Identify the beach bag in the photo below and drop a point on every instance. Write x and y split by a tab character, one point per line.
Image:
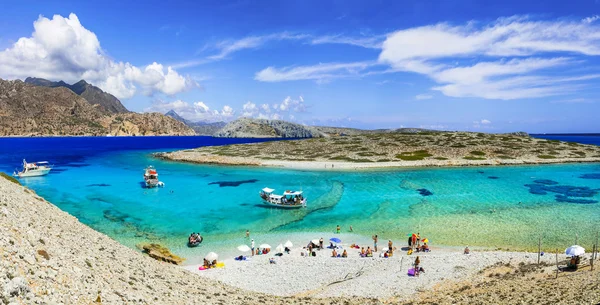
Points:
411	272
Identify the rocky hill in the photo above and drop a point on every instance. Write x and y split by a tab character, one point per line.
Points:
201	128
30	110
92	94
261	128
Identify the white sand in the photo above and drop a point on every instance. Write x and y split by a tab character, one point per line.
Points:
381	278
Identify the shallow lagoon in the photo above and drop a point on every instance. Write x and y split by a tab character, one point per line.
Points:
494	207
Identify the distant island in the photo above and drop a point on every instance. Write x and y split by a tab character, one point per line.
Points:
38	107
339	148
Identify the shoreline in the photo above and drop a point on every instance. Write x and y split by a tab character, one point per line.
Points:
187	157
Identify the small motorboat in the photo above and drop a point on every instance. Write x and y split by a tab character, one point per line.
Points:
34	169
151	177
289	199
194	240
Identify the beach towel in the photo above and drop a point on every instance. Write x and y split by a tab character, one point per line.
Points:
411	272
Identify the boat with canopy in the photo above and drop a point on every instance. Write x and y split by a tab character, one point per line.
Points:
288	200
40	168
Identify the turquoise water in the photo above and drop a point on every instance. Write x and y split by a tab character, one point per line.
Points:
467	206
101	184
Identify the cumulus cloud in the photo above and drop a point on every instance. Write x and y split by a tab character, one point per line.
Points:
196	111
423	96
483	123
591	19
62	48
276	111
517	41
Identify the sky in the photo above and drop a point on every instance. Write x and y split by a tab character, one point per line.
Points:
490	66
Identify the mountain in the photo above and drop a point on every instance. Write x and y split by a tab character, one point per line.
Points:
261	128
201	128
91	93
31	110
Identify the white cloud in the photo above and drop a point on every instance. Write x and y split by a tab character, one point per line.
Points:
484	121
427	50
250	109
320	72
288	107
196	111
61	48
371	42
591	19
228	47
423	96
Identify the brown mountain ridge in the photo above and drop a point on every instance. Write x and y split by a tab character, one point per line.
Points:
55	109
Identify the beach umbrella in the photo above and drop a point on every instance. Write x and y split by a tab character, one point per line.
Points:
575	251
288	244
265	246
426	240
279	248
243	248
315	241
211	256
385	249
335	240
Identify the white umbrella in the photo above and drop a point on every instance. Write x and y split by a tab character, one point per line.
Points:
385	249
288	244
243	248
211	256
265	246
279	248
575	251
315	241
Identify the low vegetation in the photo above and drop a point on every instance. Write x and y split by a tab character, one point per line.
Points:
9	178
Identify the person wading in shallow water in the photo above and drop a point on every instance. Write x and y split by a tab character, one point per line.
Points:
247	233
375	239
337	229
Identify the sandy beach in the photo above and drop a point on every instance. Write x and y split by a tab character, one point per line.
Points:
372	277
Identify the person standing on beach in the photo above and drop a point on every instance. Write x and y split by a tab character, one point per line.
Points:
418	240
247	233
390	248
375	239
252	247
417	263
414	241
321	243
337	229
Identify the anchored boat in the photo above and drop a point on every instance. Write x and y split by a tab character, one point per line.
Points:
288	200
35	169
151	177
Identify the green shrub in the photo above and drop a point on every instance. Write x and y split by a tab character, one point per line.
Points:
505	157
473	158
440	158
9	178
477	153
414	155
546	157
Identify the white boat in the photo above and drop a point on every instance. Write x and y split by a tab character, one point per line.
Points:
35	169
151	177
288	200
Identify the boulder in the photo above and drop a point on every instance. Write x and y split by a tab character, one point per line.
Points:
161	253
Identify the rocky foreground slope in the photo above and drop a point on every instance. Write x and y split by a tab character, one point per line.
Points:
31	110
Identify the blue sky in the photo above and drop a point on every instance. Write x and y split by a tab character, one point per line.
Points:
492	66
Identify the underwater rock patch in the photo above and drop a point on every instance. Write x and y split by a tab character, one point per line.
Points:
566	190
590	176
425	192
562	198
545	181
98	184
233	183
493	177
